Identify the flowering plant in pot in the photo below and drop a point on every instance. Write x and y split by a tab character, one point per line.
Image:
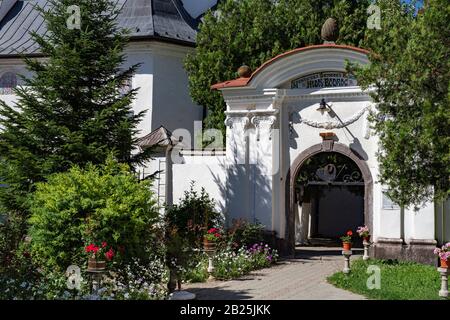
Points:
97	255
364	233
347	240
444	254
210	238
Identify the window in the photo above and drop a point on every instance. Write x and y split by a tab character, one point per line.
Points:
8	81
126	87
388	204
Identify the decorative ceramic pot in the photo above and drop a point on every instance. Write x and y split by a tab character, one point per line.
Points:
330	30
366	239
95	265
444	263
244	71
209	245
347	245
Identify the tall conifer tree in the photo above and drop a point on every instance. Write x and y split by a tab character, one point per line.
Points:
73	109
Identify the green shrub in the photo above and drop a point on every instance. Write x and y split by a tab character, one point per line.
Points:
99	203
243	233
12	229
193	216
196	269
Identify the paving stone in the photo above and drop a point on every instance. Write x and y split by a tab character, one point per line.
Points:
302	278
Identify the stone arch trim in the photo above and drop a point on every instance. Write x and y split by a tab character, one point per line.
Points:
326	146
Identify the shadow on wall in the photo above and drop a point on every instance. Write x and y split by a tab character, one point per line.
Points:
247	191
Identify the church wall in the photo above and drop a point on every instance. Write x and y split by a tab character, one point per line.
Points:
144	80
207	171
172	105
17	67
162	82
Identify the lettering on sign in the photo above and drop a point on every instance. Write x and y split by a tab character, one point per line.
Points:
324	80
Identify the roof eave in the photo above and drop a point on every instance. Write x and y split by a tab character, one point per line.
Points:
132	39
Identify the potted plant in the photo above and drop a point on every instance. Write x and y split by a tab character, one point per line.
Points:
444	254
210	239
347	240
97	255
364	233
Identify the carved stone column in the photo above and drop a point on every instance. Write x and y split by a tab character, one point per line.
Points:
264	124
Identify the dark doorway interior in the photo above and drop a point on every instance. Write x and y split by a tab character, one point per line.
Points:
330	192
337	209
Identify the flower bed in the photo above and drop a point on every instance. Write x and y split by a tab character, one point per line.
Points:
230	263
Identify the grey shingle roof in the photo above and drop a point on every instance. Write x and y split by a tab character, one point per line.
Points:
164	20
159	137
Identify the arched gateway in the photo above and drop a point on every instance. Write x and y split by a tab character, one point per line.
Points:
294	110
330	192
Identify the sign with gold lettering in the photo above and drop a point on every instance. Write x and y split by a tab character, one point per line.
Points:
324	80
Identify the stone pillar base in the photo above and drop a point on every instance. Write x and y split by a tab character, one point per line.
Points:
416	250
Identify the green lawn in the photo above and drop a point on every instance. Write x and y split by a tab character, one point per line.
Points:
399	280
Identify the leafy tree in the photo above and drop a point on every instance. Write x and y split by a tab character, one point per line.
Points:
72	110
253	31
410	70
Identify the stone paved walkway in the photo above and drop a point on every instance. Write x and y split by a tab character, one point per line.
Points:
302	278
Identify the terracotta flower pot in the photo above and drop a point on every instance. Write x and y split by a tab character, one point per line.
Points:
209	245
96	265
347	245
366	239
444	263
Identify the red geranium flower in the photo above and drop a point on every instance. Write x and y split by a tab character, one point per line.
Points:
349	233
213	230
110	254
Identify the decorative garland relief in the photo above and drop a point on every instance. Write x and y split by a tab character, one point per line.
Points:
334	124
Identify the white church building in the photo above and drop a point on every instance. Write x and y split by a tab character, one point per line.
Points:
299	157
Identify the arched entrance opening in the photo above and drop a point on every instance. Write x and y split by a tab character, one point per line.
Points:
330	193
329	190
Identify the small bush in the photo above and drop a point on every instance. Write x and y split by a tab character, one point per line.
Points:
99	203
243	233
196	269
193	216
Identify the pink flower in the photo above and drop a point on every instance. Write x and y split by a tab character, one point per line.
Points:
104	244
